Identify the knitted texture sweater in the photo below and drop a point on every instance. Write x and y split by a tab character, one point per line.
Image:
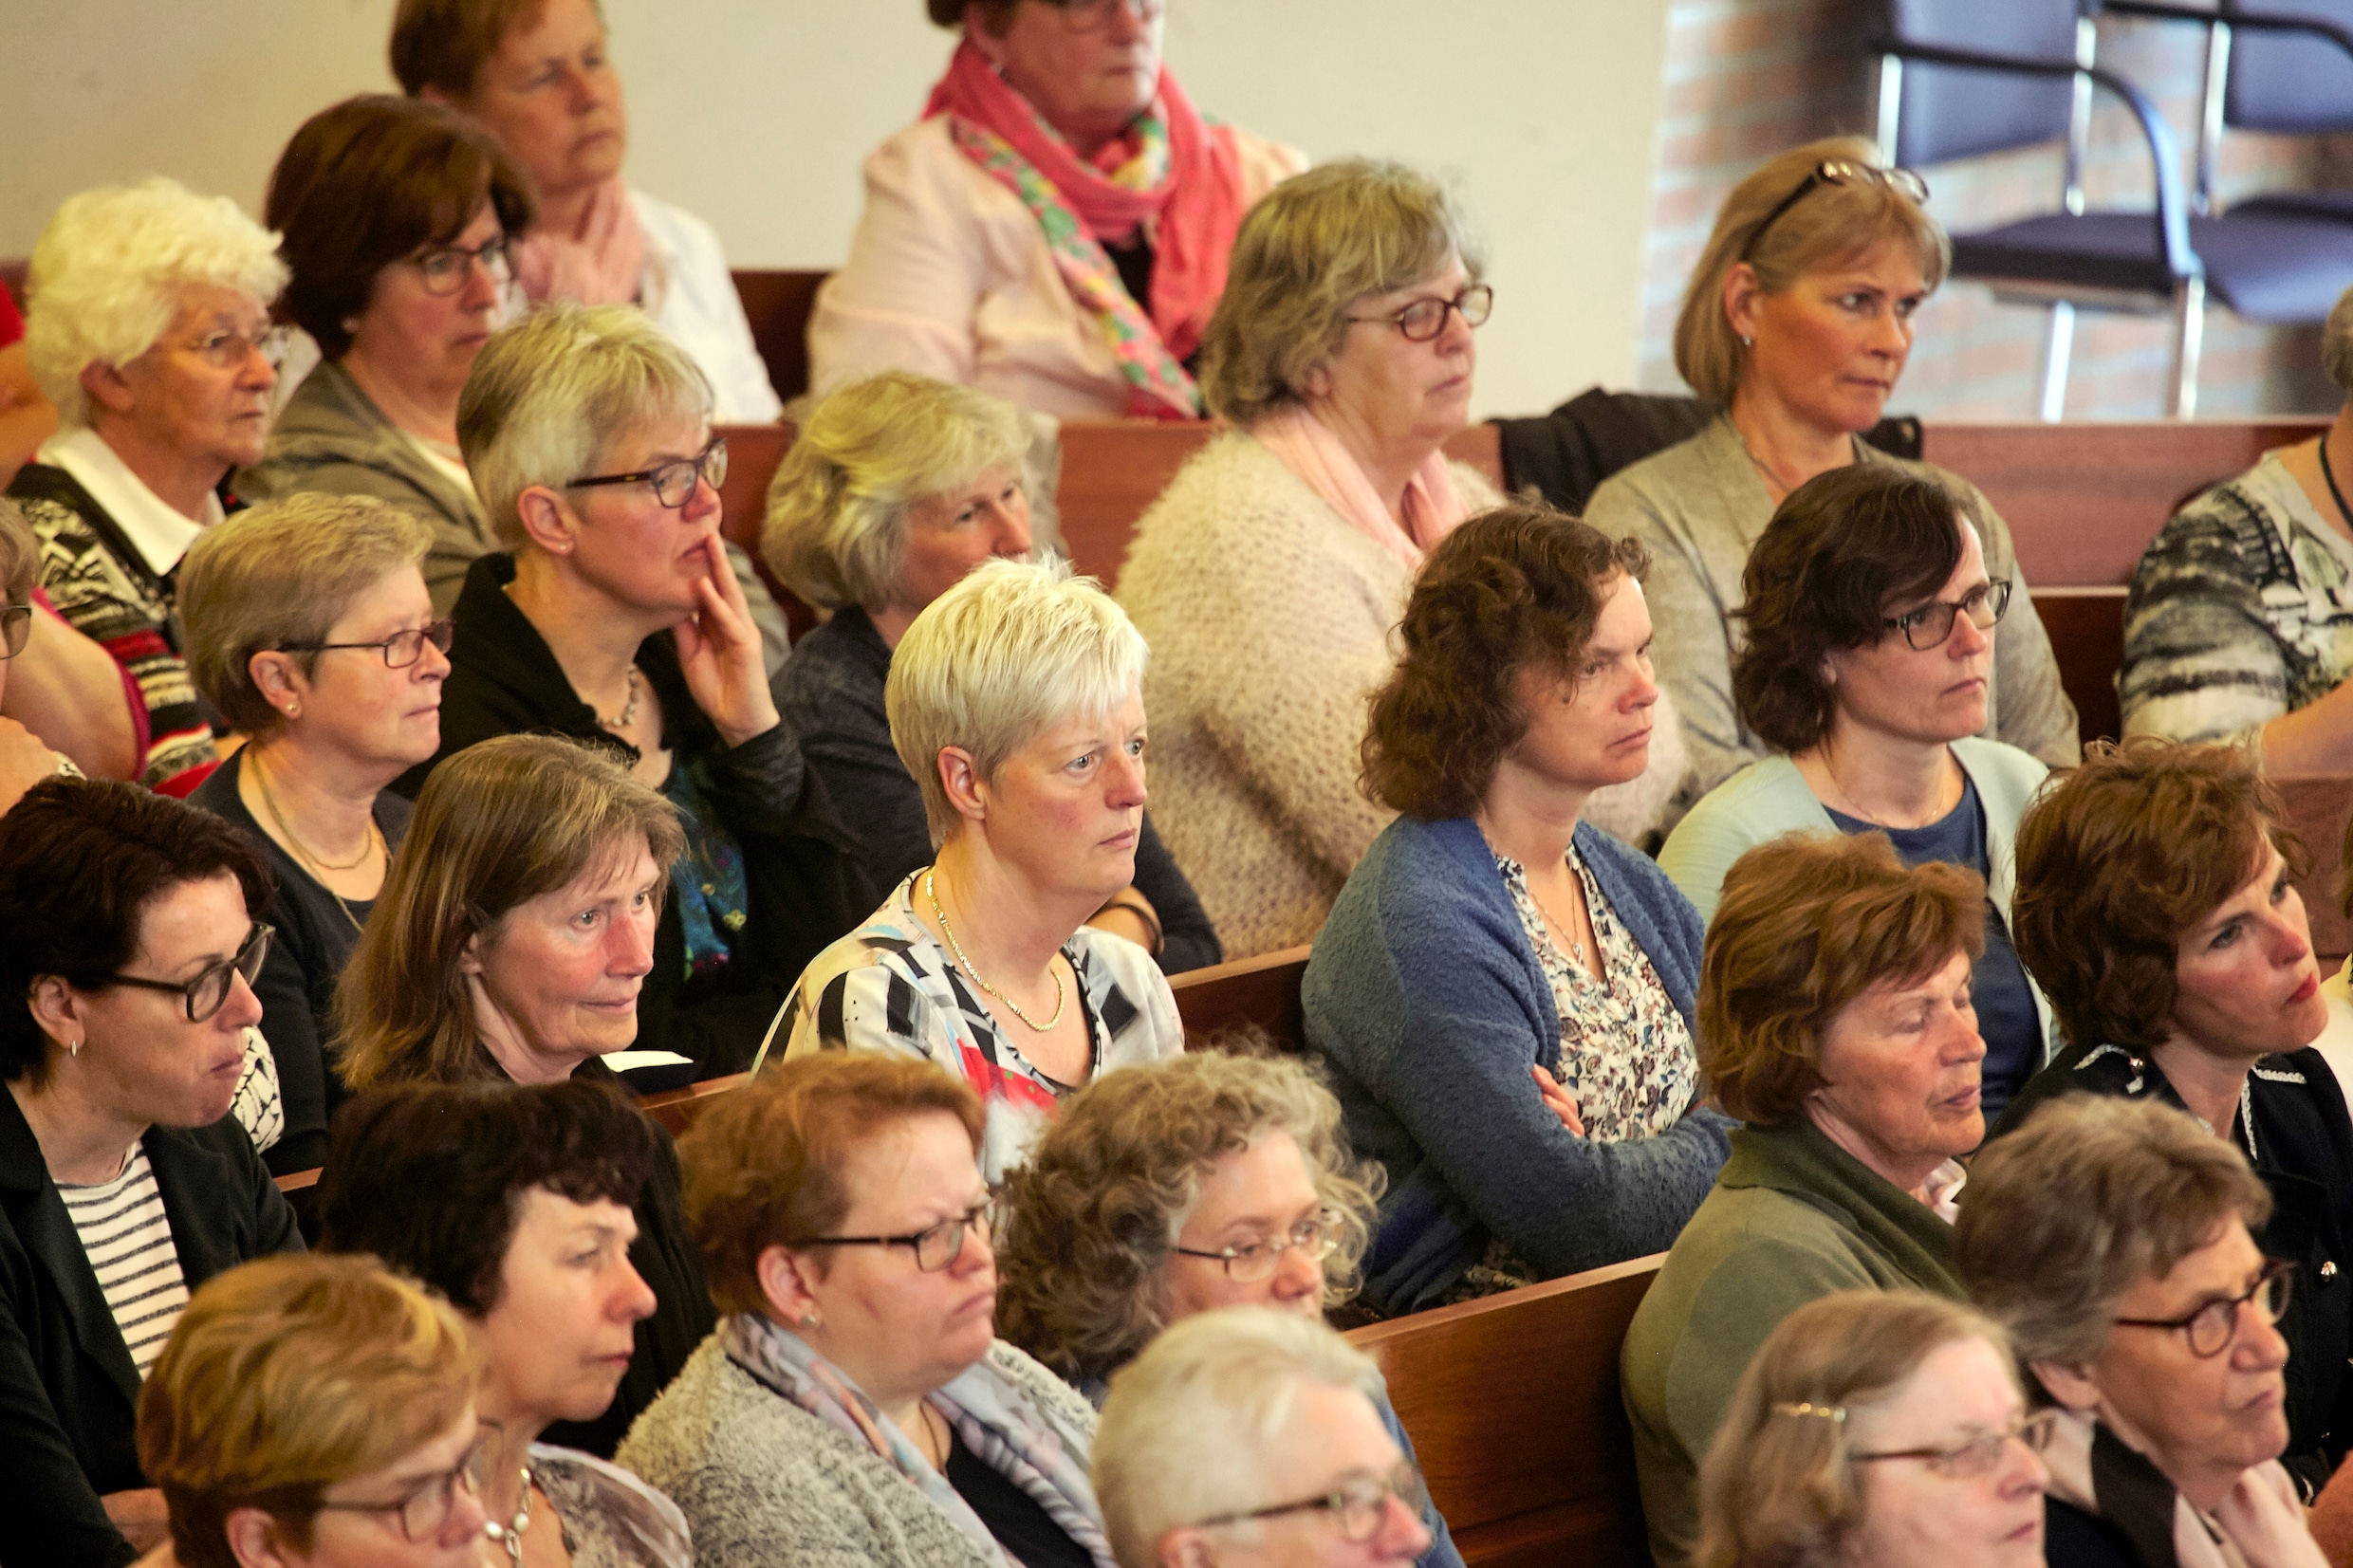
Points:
1430	1007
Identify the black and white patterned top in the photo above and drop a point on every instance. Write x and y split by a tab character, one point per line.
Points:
128	1240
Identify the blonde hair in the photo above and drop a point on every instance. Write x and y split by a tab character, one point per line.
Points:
108	273
1831	224
20	555
1310	248
836	531
283	572
1012	648
550	394
1191	1423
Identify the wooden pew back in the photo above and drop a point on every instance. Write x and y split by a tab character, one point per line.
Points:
677	1109
1513	1408
778	305
2317	809
1261	992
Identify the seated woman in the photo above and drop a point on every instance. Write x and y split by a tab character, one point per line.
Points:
895	488
267	596
317	1410
1798	319
1879	1429
128	947
855	1405
515	1204
1206	1181
150	330
1834	1021
2113	1240
542	79
1054	229
1253	1436
1875	718
612	618
2154	903
399	220
2235	625
513	941
1504	992
1014	701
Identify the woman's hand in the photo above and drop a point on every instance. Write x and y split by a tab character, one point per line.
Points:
140	1516
719	653
1559	1101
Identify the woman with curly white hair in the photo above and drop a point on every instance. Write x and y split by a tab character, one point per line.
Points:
150	331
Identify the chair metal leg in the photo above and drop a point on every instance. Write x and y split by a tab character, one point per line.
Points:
2058	343
2189	341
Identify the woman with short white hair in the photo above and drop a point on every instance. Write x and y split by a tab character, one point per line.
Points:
611	618
150	331
1248	1435
1016	701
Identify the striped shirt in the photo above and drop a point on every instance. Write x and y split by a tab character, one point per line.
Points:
128	1239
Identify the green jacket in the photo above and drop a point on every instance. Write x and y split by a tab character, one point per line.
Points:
1792	1218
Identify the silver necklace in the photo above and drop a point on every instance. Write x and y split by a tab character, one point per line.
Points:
510	1534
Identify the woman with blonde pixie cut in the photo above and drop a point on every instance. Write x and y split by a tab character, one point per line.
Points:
895	488
1798	319
1015	700
1877	1429
318	1409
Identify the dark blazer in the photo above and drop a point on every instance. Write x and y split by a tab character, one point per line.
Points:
67	1387
807	887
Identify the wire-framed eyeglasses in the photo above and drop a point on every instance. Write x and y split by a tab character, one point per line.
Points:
2210	1328
674	483
400	650
446	267
1252	1262
1359	1501
1980	1456
424	1508
226	348
16	629
1839	171
1426	318
1931	624
935	1246
208	992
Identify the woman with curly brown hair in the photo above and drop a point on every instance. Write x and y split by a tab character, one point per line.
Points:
1504	992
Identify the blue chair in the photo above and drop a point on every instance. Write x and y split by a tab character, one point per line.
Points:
1960	78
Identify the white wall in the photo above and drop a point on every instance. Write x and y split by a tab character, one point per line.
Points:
755	114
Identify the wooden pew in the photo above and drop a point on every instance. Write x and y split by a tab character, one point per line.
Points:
1513	1405
2087	627
2317	809
778	305
1261	991
300	1191
677	1109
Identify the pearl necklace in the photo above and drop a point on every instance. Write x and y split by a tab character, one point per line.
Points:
629	709
1062	997
510	1535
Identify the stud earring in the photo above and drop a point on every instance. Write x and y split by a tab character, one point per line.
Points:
73	1047
808	1319
1746	342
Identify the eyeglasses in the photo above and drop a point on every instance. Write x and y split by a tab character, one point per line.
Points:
448	267
1095	15
400	650
674	483
1256	1260
1425	319
226	349
1839	171
425	1508
1978	1457
936	1247
2211	1327
1360	1501
1931	624
208	992
16	629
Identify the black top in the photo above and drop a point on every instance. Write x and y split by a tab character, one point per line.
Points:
307	957
2133	1523
1020	1522
807	887
67	1384
830	694
1133	263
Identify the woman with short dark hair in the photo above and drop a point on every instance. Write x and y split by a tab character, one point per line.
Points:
1503	990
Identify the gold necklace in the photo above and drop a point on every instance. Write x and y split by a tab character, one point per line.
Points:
374	836
1576	948
1938	809
1062	997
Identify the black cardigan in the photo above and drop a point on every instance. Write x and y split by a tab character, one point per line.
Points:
68	1386
830	693
806	888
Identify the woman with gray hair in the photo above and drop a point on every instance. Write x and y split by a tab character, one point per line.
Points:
612	617
150	331
2236	625
895	488
268	596
1798	319
2110	1237
1015	700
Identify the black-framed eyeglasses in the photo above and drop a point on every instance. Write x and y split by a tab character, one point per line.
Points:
424	1508
2211	1327
1839	171
1426	318
674	483
446	268
208	992
1254	1260
227	348
1095	15
400	650
1931	624
16	629
1980	1456
935	1246
1360	1501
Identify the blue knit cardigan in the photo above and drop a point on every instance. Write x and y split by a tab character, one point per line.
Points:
1427	1001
